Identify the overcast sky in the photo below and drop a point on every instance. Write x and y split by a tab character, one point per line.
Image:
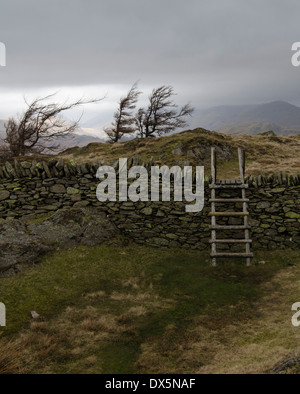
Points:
213	52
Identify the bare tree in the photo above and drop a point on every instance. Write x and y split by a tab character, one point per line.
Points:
161	116
124	119
40	126
139	122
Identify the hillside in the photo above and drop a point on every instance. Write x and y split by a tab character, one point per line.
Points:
268	152
254	128
280	113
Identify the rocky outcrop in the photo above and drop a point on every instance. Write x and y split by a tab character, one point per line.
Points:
23	241
18	246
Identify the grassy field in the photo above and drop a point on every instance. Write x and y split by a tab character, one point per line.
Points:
135	309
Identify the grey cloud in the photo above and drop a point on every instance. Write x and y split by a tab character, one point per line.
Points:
214	52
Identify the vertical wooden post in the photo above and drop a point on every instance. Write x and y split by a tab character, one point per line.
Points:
213	165
241	155
247	233
213	207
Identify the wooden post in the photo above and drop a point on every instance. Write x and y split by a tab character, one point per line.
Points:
213	205
213	232
247	233
213	165
241	155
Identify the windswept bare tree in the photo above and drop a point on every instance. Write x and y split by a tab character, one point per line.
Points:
162	115
41	125
124	119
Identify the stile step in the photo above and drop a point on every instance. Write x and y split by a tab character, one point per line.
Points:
229	200
235	181
241	186
228	214
230	241
214	255
229	227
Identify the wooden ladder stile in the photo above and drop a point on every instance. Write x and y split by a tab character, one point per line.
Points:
221	184
213	207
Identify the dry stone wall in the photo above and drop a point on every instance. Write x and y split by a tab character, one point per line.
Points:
31	187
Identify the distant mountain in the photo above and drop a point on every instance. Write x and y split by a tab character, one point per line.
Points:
279	113
77	140
260	127
281	117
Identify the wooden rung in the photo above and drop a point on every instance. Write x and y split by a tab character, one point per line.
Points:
241	186
228	214
229	181
214	255
229	227
229	200
230	241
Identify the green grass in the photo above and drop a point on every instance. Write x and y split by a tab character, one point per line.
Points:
262	151
60	281
180	286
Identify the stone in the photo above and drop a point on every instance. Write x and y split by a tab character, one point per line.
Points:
292	215
17	246
264	225
147	211
59	189
52	163
46	169
75	197
278	190
281	229
51	207
25	164
60	164
9	167
172	236
254	222
263	204
24	242
73	190
34	315
82	203
4	195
